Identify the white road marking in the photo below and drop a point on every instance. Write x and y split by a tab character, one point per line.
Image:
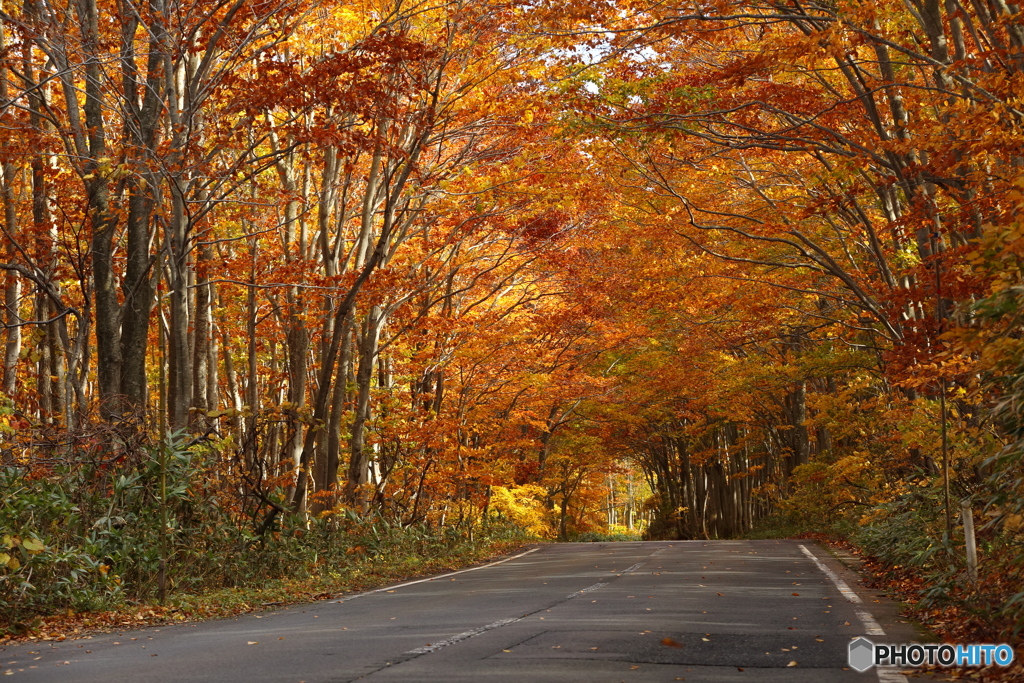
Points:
586	590
465	635
633	568
890	676
872	627
462	636
843	587
435	578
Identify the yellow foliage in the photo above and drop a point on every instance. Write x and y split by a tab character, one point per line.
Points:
523	505
826	491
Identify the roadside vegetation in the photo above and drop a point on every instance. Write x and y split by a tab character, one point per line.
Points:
89	551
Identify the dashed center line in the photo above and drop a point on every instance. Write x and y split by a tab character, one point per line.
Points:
465	635
588	589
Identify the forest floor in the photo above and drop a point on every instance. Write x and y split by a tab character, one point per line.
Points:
947	623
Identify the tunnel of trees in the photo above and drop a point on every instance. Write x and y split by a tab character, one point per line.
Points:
666	269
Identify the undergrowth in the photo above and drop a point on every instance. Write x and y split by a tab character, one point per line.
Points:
906	550
614	536
91	536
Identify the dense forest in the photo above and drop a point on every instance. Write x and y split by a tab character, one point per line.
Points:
292	282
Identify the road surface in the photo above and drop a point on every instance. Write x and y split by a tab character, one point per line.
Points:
659	611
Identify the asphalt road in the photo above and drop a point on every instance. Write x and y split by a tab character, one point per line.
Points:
660	611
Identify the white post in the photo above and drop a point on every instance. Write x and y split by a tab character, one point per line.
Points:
967	515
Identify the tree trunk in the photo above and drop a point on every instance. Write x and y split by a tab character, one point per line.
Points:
12	288
358	468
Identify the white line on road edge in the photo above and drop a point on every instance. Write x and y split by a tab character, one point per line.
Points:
872	627
462	636
435	578
843	587
889	676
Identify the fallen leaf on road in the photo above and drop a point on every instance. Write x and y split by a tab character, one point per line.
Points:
254	642
793	663
671	643
796	594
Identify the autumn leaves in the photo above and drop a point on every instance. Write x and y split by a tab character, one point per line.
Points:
388	257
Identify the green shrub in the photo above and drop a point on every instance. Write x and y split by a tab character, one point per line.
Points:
46	563
602	537
90	533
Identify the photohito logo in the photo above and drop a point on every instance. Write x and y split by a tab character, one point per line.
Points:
864	654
